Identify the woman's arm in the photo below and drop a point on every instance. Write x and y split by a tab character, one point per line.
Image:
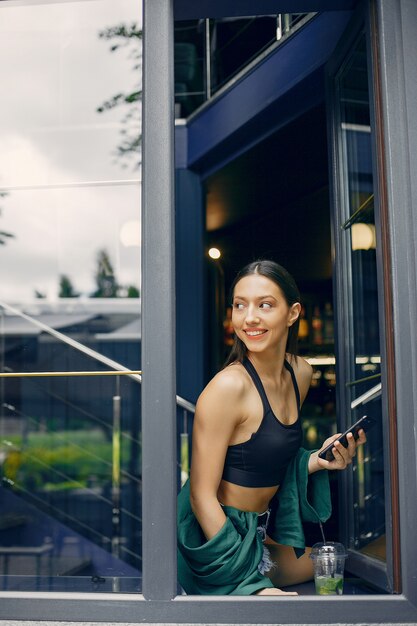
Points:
218	413
342	456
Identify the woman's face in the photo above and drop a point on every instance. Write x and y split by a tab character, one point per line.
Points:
261	316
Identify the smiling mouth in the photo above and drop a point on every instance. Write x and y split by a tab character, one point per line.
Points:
255	333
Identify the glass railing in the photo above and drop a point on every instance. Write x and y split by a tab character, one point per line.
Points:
210	53
70	455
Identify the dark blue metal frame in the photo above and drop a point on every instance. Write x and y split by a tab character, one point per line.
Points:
265	99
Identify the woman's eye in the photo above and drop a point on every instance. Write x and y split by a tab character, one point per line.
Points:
266	305
238	305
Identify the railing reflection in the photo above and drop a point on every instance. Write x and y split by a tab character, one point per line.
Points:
368	485
70	459
210	53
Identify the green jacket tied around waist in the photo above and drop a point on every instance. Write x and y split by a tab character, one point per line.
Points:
227	564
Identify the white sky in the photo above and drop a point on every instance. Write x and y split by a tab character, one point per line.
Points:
56	71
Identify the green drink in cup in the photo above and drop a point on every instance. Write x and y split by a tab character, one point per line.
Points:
329	564
328	585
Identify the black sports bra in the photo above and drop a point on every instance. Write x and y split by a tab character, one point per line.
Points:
263	459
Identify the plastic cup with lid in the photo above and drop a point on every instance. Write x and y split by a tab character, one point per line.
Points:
329	564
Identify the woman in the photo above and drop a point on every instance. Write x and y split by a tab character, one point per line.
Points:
240	526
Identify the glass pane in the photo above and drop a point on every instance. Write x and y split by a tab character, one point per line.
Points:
189	65
67	233
368	532
209	53
368	489
70	431
70	447
60	71
237	41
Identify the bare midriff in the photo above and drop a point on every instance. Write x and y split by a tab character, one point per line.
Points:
254	499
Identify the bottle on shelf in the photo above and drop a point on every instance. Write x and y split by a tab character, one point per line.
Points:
303	329
328	323
317	326
228	330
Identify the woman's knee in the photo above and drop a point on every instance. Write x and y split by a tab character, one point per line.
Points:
288	569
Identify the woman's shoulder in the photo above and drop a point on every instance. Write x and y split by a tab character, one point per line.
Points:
300	365
223	400
230	383
303	373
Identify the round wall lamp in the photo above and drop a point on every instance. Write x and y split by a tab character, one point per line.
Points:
214	253
363	236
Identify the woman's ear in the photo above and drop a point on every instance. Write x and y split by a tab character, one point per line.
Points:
294	313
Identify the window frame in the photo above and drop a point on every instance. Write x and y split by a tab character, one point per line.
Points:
383	574
159	602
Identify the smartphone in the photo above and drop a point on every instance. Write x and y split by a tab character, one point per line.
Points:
364	422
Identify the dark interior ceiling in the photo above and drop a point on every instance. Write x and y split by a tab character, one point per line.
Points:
273	202
289	164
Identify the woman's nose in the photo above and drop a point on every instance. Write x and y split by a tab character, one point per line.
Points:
252	315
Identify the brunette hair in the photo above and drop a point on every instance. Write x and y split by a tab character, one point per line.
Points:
284	280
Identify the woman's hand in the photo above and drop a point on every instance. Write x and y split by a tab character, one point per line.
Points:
342	456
